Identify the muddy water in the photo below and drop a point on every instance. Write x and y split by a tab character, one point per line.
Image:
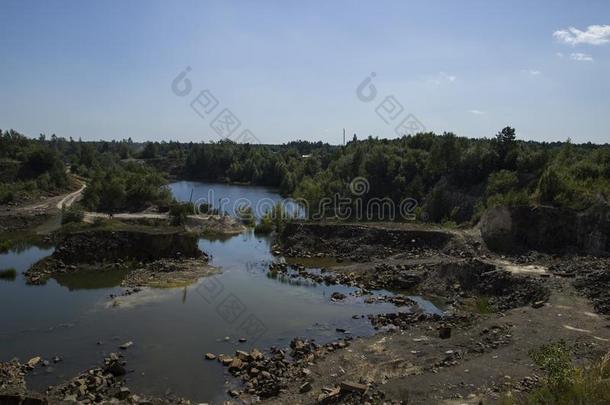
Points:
74	318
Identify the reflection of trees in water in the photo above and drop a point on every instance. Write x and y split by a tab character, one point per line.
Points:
91	279
291	279
18	243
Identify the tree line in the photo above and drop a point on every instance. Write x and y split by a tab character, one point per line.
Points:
452	178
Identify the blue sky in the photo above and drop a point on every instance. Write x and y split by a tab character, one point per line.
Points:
290	70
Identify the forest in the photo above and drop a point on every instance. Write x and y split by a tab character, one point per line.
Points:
453	179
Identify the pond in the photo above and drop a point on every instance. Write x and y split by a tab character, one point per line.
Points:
73	317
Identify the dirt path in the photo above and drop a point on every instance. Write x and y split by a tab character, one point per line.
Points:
51	203
34	215
69	199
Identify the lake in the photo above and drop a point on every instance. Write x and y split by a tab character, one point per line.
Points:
72	316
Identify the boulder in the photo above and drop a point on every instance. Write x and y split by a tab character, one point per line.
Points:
349	386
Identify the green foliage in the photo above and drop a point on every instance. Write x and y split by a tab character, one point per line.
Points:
8	274
556	360
567	385
246	215
7	195
483	306
501	182
272	220
29	168
179	212
128	187
72	214
265	225
5	245
452	178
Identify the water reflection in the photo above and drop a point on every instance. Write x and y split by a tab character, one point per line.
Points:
171	328
91	279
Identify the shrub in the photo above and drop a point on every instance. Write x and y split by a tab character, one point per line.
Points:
272	220
246	215
178	212
501	182
5	245
265	225
72	214
565	384
7	196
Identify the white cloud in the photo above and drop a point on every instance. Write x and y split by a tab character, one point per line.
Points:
476	112
532	72
594	35
443	77
447	77
559	54
581	57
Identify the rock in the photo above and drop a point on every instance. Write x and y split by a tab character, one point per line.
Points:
444	332
115	368
210	356
123	393
537	304
245	356
243	340
337	296
236	365
126	345
34	361
256	354
306	387
329	395
348	386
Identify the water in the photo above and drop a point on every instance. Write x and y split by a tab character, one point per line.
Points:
227	198
171	329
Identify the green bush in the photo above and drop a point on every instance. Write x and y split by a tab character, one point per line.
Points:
179	212
565	384
245	213
501	182
272	220
265	225
72	214
7	196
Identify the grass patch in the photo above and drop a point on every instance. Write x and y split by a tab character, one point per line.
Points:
566	384
480	304
8	274
115	225
72	214
483	306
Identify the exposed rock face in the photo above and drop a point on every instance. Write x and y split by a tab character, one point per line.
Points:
359	243
103	245
158	253
547	229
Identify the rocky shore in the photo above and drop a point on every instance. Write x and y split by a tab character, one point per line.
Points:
152	257
98	385
495	310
